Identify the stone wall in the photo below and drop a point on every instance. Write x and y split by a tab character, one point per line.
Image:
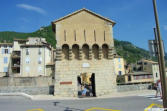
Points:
26	81
32	90
132	87
67	71
29	85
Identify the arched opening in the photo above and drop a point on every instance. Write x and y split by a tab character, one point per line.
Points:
85	49
95	51
65	51
75	50
105	51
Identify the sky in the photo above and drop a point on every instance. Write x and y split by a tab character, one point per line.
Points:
134	18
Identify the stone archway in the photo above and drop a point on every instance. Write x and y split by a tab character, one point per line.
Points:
65	51
75	51
95	51
105	51
85	50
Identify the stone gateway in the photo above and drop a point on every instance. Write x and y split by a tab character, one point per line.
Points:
84	54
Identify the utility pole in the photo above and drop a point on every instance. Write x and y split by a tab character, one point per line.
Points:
161	59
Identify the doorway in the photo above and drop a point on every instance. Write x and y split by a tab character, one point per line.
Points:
86	85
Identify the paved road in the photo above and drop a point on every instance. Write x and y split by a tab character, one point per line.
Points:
17	103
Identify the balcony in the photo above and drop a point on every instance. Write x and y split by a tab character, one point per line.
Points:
16	54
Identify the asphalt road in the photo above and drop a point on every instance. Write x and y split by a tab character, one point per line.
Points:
135	103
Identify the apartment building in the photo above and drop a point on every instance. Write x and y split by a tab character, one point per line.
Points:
31	57
5	55
143	71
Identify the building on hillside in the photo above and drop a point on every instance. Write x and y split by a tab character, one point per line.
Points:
153	47
84	46
5	55
146	67
32	57
119	65
139	77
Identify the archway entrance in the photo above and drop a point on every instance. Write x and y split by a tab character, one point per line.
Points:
86	85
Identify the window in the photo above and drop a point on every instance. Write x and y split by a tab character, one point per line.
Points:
39	60
156	74
120	66
27	69
39	51
5	60
39	69
6	51
5	69
27	60
119	60
27	52
120	72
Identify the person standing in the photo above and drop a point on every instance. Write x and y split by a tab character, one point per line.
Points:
159	88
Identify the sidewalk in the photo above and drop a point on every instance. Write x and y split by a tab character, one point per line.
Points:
114	95
51	97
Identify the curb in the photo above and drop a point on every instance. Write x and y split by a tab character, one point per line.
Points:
17	94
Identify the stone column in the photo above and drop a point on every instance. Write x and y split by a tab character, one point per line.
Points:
70	53
80	54
58	54
111	52
90	54
100	53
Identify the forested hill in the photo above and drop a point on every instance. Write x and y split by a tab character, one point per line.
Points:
127	50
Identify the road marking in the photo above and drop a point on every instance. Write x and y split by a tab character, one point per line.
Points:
36	110
151	106
103	109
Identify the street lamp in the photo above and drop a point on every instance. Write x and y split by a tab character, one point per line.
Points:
161	59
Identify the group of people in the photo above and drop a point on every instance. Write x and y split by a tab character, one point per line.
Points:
86	89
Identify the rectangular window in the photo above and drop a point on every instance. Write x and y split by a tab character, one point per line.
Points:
39	60
120	66
5	69
120	72
27	60
27	52
3	51
39	51
5	60
27	69
39	69
6	51
119	59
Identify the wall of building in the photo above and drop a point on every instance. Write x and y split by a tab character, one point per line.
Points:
5	59
68	71
16	46
119	66
84	28
140	79
155	72
33	67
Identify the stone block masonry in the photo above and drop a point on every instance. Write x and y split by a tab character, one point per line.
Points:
68	71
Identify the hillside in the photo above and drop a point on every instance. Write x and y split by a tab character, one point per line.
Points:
130	52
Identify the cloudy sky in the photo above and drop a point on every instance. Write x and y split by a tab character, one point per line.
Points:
134	18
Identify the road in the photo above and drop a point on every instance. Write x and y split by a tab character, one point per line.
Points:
134	103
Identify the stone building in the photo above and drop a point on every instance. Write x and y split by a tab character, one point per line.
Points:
31	58
5	55
84	45
119	65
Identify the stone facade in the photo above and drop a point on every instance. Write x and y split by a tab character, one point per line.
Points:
84	45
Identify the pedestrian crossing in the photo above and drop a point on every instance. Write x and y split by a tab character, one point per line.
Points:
152	97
